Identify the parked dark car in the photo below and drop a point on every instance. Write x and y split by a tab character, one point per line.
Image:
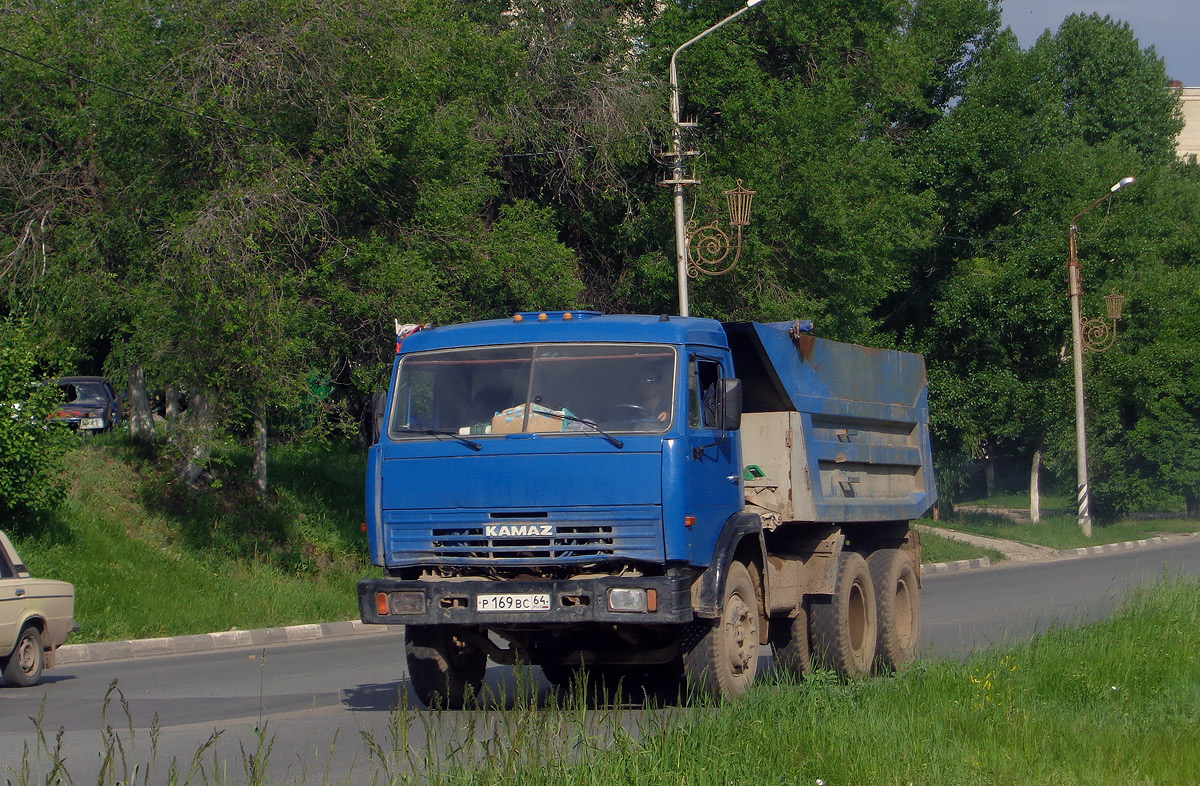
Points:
91	404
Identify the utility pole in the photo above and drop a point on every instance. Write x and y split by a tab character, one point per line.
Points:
1083	494
678	181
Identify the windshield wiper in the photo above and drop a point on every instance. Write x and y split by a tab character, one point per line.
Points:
433	432
561	416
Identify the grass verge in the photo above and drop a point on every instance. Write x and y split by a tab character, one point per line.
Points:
1113	703
935	548
148	559
1062	531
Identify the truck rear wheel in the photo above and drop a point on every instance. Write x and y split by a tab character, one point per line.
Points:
843	627
23	668
898	601
446	670
789	640
725	661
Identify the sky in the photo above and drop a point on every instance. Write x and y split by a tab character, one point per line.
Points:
1168	25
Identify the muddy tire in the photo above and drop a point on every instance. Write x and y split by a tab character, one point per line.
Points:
725	660
843	628
445	669
790	642
23	668
898	602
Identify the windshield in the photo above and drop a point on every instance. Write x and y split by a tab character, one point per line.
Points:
535	388
85	393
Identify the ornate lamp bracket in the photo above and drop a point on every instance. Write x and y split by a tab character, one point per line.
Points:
709	246
1100	333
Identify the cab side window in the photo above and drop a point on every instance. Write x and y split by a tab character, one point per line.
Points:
703	376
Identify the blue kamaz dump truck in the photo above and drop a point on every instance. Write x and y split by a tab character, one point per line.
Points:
646	497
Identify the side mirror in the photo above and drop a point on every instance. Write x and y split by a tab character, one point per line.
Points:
730	413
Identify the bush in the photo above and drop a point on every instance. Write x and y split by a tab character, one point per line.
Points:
31	446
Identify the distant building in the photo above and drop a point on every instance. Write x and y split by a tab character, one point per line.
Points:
1188	144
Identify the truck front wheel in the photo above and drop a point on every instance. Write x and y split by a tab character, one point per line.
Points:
725	660
844	627
446	670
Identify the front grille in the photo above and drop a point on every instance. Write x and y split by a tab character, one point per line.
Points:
477	537
567	542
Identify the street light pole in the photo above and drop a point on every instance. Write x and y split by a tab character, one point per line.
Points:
677	180
1075	289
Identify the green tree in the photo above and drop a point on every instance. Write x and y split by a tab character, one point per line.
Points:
818	109
1144	392
1037	136
31	445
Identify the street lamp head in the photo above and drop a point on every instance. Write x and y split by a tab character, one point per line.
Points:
1125	181
752	3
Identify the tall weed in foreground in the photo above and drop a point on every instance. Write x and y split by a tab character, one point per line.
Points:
506	736
119	764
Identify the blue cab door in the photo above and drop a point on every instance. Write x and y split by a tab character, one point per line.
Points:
712	462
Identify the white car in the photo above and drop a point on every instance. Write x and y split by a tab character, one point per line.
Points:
36	616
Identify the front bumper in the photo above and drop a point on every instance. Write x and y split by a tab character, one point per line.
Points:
454	601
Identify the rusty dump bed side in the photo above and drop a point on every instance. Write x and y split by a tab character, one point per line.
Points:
832	432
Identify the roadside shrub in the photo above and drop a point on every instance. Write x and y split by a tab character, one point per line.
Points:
31	446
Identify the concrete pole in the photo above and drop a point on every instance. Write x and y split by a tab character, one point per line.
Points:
681	244
1083	495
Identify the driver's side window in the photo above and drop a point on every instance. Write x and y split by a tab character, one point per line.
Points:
703	378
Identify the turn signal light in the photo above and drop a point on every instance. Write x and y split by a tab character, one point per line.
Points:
689	521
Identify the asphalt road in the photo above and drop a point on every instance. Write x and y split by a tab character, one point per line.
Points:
315	701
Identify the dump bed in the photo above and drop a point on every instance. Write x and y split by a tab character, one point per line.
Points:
832	432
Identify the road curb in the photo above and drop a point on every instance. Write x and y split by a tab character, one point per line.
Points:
984	562
1107	547
208	642
957	566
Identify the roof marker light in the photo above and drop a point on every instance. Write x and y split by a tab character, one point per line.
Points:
518	318
568	316
543	317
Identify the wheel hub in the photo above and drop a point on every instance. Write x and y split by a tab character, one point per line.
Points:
741	643
27	658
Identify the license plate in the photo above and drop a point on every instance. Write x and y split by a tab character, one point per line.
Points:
513	602
92	423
